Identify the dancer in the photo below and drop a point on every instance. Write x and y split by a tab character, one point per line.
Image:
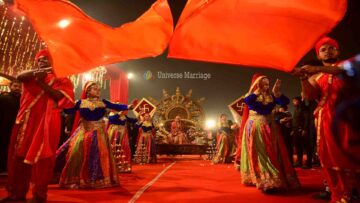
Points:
145	147
36	132
264	158
340	170
225	146
89	160
119	139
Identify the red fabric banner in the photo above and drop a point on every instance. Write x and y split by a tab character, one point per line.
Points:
78	43
263	33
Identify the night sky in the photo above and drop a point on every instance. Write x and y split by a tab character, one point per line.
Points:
228	82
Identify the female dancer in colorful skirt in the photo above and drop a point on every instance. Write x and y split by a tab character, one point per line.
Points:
119	139
225	145
264	159
89	160
145	147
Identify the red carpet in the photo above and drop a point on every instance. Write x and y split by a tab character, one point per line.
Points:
189	179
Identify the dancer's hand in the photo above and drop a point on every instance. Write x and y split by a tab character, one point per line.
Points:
276	88
307	69
40	75
296	72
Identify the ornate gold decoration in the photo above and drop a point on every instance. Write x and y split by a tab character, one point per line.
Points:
265	98
178	104
92	104
170	106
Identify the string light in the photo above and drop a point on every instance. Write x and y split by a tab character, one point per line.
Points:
96	75
19	42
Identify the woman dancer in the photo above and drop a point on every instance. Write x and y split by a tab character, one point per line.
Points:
145	148
264	159
89	160
119	139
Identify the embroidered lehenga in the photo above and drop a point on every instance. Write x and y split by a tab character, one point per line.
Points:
145	147
264	160
119	139
89	159
225	146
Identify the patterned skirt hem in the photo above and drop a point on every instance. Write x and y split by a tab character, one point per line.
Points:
76	183
264	181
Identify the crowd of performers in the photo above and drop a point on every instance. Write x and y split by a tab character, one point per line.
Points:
86	159
267	135
261	145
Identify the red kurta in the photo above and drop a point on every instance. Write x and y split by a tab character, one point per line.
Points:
329	148
36	132
340	170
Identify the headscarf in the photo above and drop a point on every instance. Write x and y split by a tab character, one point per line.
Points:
254	82
85	89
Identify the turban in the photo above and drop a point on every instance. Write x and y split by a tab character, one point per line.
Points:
43	52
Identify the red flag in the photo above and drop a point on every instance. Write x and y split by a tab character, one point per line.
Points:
78	43
264	33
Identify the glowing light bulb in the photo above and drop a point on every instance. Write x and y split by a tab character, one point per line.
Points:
210	124
87	76
130	76
63	23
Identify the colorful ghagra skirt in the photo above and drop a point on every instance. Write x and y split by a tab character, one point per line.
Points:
264	159
225	148
118	136
145	148
89	160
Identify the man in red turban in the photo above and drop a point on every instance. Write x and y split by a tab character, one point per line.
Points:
36	132
340	171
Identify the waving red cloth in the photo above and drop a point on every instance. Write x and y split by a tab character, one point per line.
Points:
78	43
262	33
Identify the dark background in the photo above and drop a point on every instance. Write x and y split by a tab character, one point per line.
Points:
228	82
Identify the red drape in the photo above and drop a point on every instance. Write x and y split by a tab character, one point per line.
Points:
264	33
78	43
119	84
